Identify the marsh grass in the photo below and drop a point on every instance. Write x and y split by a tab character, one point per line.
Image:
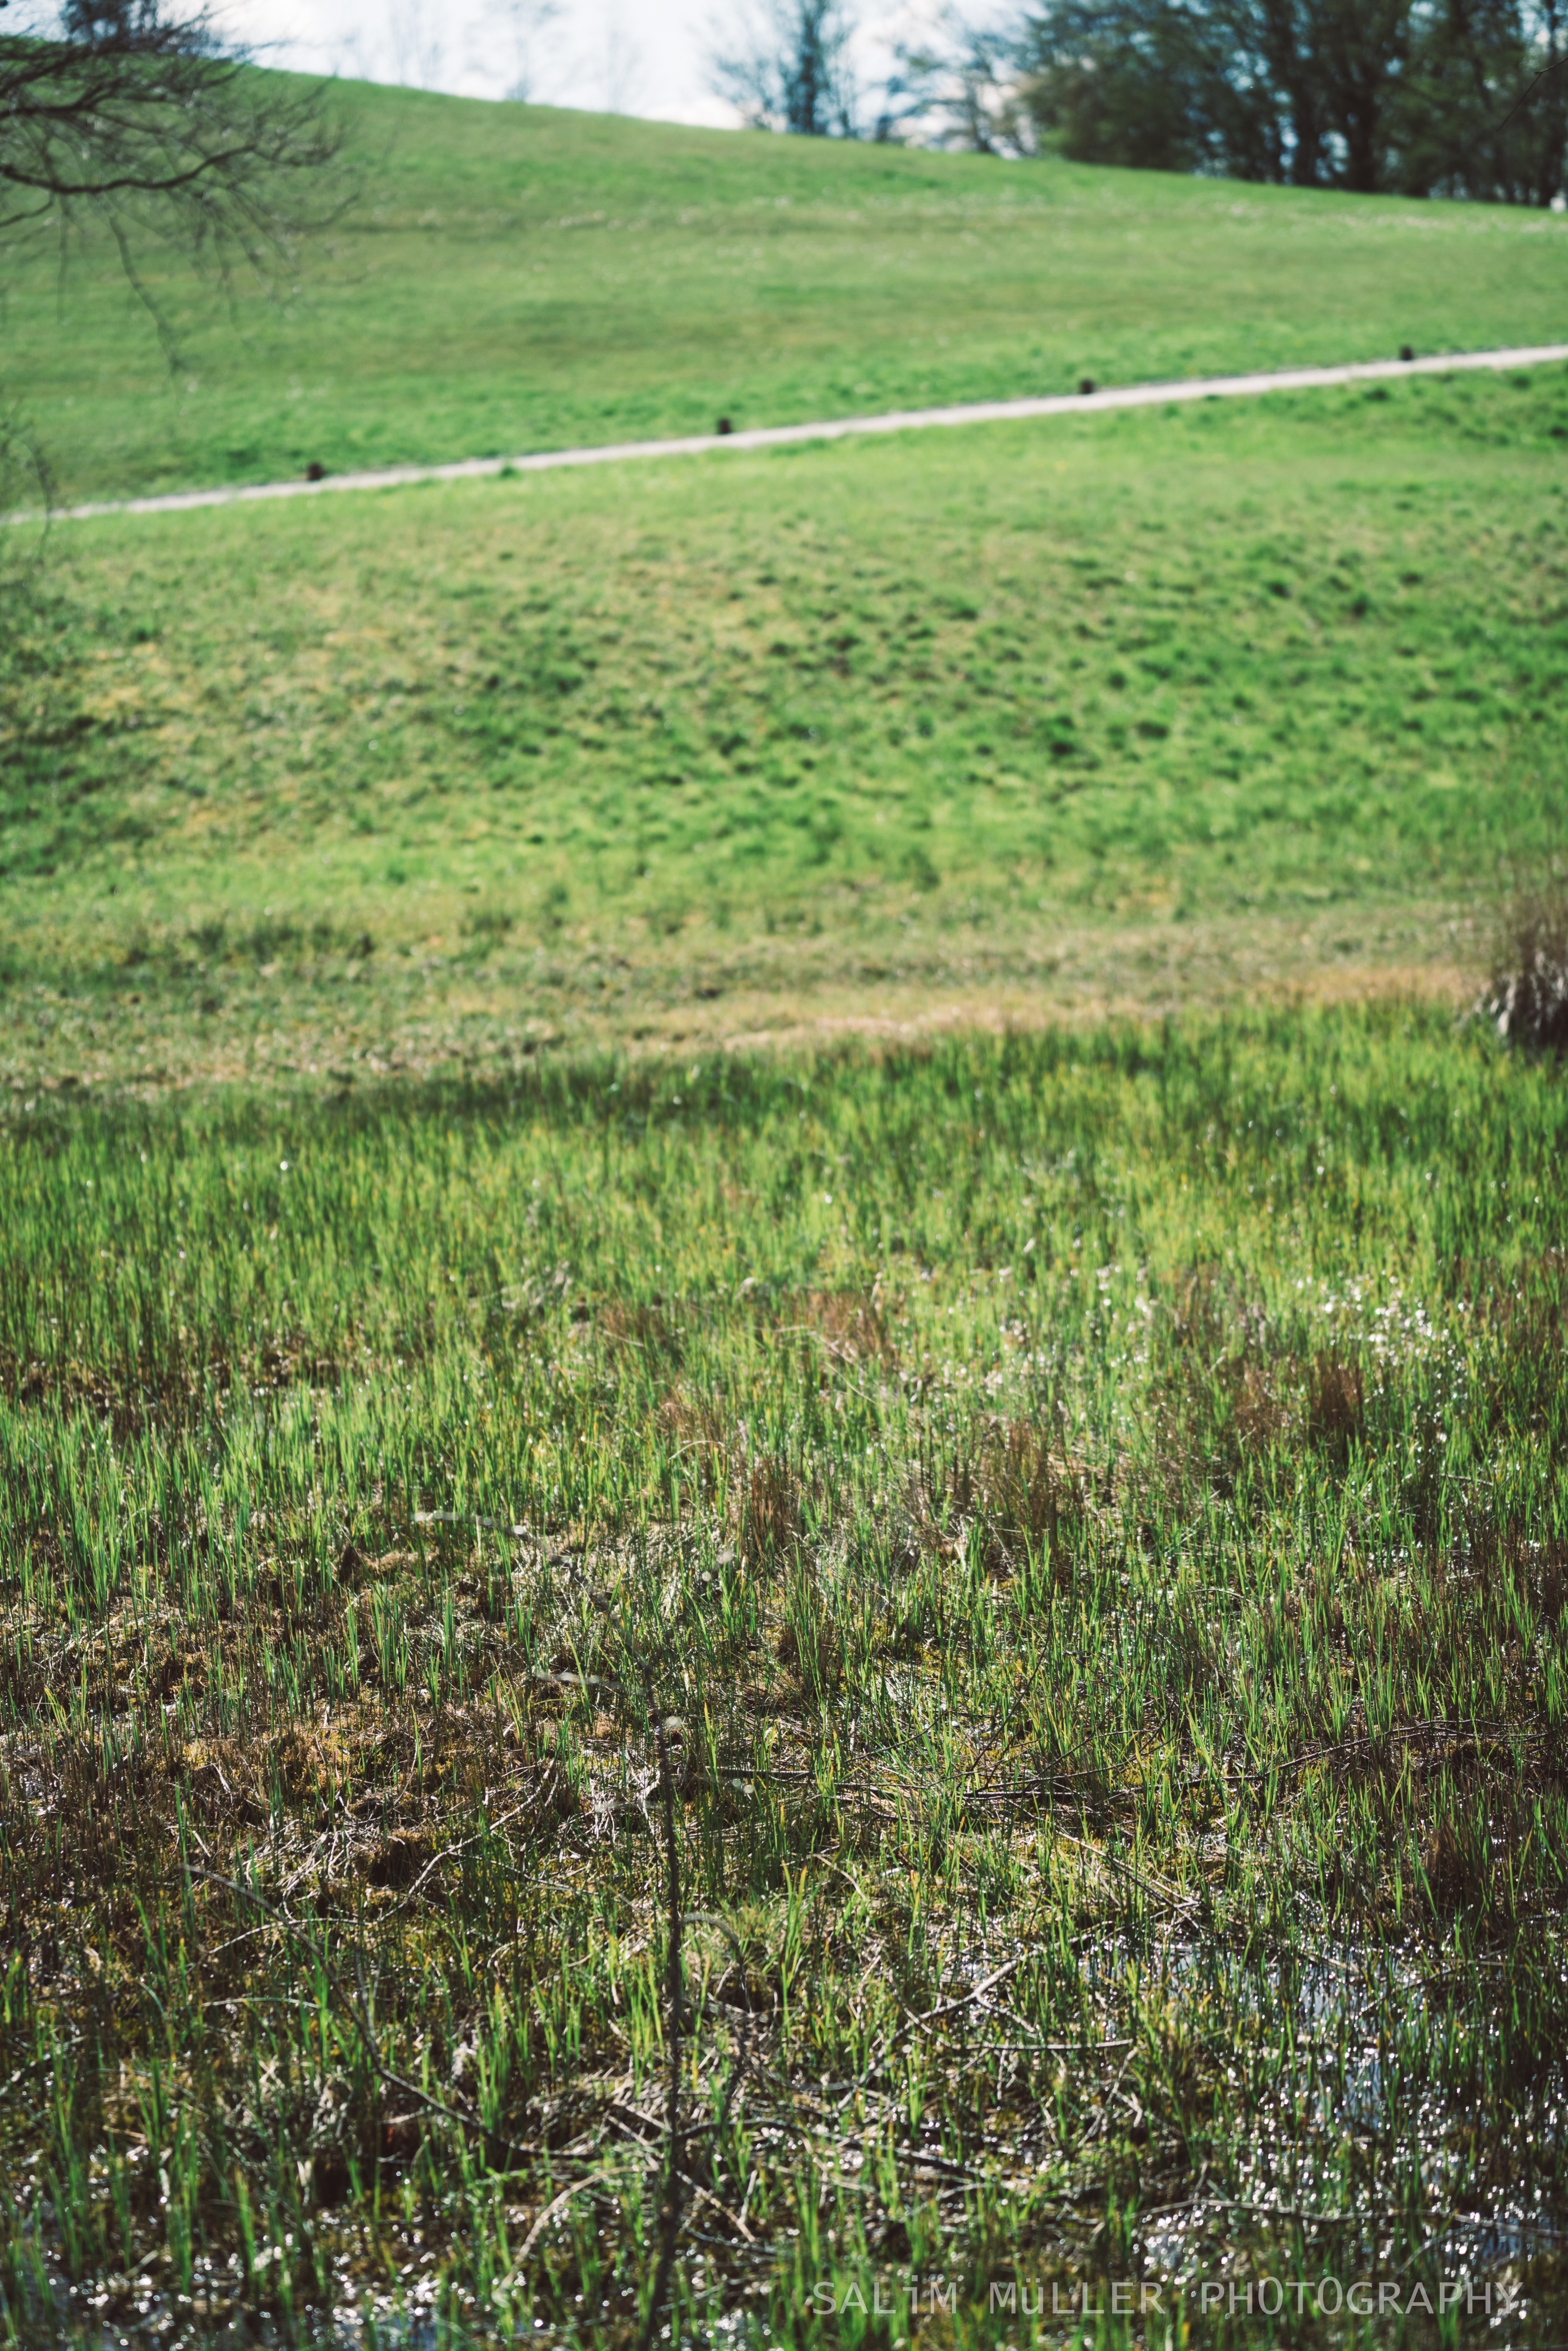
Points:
1083	1516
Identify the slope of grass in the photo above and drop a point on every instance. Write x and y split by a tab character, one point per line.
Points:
513	277
1086	1520
913	716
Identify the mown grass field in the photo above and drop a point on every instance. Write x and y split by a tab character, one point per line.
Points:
1109	711
1086	1517
510	278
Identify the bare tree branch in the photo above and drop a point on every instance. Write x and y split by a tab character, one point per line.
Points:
142	121
1540	81
791	71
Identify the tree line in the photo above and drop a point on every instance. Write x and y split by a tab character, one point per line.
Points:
1456	98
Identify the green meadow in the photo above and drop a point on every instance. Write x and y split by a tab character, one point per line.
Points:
510	278
782	1523
1059	709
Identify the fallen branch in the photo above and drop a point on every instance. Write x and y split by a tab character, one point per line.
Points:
950	2007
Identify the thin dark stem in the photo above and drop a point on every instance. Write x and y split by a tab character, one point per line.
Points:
1548	73
672	2219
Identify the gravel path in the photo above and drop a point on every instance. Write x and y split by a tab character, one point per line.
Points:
842	428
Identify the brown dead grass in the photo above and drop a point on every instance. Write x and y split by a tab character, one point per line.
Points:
418	1022
1028	1496
768	1512
851	1324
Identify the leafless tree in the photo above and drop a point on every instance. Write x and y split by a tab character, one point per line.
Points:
618	62
526	27
417	35
125	115
791	69
960	87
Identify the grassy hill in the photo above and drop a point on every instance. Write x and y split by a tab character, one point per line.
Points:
1105	711
511	278
1097	713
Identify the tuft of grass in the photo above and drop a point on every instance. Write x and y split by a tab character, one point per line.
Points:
1526	995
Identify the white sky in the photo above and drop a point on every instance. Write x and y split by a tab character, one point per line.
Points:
629	56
